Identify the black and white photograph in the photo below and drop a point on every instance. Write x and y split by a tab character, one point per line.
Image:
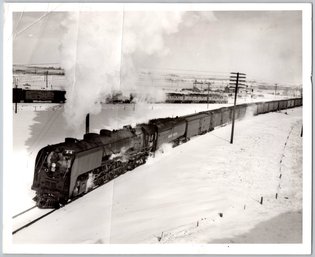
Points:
157	128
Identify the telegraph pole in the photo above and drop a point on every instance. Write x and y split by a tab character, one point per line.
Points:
16	95
236	79
46	77
208	95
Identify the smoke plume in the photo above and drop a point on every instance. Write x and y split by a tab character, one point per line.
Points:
97	52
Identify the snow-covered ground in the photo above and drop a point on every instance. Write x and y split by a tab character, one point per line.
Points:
204	191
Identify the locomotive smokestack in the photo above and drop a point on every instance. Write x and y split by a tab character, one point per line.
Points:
87	123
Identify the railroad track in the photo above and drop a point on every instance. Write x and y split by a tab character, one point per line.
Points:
33	214
28	217
19	214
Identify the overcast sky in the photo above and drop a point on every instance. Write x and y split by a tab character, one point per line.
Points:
266	45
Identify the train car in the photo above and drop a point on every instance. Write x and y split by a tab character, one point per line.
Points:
212	97
31	96
283	104
197	124
190	98
299	102
226	114
18	95
265	107
169	130
174	98
218	98
215	118
38	96
260	108
252	109
59	96
273	106
240	111
290	103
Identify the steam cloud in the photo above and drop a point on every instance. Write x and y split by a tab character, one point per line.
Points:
91	59
98	50
97	54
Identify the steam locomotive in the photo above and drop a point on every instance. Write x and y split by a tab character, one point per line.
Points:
74	167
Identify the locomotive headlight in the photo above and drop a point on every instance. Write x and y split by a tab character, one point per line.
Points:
53	167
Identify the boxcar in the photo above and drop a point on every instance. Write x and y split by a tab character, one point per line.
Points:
240	111
226	115
273	106
290	103
18	95
260	108
197	124
265	107
37	95
251	109
283	104
298	102
174	98
215	118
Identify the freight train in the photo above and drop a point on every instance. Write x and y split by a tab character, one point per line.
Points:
31	96
67	170
195	97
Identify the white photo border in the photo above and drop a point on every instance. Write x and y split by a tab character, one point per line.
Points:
304	248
